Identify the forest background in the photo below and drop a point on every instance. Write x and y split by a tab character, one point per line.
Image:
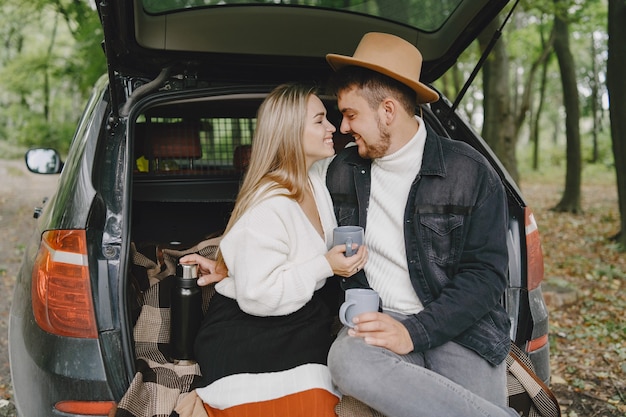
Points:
550	100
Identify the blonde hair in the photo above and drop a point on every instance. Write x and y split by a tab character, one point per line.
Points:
277	161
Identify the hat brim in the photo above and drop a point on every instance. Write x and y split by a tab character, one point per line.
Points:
424	93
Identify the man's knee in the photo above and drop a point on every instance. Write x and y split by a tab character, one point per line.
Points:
350	363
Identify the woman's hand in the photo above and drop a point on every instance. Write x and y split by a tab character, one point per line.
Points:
346	266
208	270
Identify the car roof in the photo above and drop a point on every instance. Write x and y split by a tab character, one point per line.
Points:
274	38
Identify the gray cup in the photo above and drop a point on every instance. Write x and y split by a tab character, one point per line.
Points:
347	235
358	300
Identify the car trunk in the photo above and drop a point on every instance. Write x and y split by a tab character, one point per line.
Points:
188	162
189	155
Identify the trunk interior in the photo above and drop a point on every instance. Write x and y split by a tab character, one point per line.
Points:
189	159
190	156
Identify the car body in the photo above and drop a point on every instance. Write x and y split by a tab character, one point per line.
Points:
155	158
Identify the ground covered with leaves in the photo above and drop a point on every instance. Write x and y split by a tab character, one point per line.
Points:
585	288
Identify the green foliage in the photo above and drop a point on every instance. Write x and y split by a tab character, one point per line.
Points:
52	58
88	62
552	168
37	132
553	145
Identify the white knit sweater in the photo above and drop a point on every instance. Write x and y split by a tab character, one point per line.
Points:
386	268
274	255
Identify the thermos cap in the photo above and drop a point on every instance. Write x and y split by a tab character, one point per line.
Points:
187	271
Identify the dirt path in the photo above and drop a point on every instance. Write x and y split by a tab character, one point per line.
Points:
20	192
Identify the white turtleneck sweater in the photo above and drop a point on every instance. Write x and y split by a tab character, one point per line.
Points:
386	268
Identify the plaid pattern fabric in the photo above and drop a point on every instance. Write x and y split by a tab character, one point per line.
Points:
527	393
160	386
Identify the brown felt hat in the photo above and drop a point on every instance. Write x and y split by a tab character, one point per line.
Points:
391	56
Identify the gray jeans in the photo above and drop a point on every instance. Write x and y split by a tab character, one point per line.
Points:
449	380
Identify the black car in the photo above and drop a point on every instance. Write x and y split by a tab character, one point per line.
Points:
157	159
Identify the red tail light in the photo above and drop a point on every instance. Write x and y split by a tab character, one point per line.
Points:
534	255
536	344
85	408
61	293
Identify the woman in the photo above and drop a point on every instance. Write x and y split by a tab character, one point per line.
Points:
263	344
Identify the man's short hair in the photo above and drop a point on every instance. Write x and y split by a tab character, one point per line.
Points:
374	87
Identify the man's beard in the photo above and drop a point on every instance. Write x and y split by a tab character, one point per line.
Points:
380	148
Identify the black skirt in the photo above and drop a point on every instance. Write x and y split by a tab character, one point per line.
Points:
262	365
233	342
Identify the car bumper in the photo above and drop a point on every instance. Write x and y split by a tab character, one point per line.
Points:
48	369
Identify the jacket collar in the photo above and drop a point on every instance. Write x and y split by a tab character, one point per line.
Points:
433	162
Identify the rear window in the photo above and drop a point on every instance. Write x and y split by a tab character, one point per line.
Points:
209	137
216	145
426	15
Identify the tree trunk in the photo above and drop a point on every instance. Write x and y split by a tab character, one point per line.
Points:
535	121
498	126
595	101
46	83
525	105
570	202
616	85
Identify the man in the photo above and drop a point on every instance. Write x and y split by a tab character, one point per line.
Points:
435	215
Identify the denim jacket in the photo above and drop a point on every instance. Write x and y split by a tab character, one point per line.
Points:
455	227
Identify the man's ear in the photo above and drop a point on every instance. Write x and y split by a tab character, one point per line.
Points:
389	108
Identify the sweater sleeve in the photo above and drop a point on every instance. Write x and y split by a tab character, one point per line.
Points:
275	262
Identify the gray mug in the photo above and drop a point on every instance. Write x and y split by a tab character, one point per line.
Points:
347	235
358	301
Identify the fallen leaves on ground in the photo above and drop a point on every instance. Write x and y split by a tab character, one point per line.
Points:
587	271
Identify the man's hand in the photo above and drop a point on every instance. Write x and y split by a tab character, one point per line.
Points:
379	329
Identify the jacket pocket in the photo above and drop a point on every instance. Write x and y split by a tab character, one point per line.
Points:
442	235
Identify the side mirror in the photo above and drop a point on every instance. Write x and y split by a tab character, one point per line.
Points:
43	161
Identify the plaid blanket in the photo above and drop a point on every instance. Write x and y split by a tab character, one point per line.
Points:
526	391
159	384
161	388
